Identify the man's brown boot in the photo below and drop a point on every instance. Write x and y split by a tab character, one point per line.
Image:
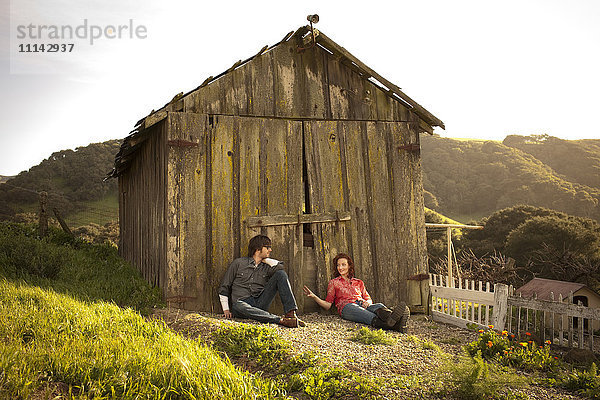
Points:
289	322
292	314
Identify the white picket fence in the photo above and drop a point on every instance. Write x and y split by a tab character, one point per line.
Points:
464	303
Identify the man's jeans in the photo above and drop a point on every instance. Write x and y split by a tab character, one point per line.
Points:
355	312
256	307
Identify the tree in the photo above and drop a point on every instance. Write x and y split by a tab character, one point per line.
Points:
555	233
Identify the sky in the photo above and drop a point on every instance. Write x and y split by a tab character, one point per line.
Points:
487	69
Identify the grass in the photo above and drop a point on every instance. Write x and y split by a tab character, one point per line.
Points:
53	344
97	212
85	271
301	375
372	336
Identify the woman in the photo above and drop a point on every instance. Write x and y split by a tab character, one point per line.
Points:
353	301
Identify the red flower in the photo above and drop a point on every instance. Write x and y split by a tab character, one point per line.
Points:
528	334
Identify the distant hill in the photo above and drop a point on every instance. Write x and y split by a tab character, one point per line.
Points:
463	179
474	178
73	180
5	178
576	160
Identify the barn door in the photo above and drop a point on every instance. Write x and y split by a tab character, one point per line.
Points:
326	193
362	168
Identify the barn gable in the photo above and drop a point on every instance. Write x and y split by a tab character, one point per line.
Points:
302	142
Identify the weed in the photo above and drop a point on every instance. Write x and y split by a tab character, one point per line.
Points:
372	336
585	382
474	378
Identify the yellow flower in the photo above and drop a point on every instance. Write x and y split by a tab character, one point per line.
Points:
504	333
524	344
480	331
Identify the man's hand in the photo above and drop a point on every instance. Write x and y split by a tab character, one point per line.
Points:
227	314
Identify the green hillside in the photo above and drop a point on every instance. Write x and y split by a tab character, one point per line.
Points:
577	160
74	182
468	179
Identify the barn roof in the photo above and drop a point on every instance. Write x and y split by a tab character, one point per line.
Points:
139	134
543	288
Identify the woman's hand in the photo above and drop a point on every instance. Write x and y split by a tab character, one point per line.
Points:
308	292
367	303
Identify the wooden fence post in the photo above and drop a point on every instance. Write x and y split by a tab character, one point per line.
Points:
500	306
62	222
43	214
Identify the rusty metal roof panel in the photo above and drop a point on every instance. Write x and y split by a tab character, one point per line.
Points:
543	288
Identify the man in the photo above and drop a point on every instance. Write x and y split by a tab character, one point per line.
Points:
251	283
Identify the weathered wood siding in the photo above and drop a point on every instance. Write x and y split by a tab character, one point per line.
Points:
284	83
242	167
142	201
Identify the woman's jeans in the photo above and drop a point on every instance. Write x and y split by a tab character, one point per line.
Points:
256	307
354	312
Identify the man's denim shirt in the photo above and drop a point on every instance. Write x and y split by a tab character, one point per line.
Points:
244	279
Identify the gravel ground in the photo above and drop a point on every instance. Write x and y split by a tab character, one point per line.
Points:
416	355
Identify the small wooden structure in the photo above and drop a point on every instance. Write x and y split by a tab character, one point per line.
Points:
302	142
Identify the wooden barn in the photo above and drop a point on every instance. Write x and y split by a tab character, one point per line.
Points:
301	142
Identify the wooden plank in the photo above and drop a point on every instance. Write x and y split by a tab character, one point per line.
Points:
500	306
174	272
288	87
339	91
557	307
382	203
275	173
250	206
314	85
295	201
262	98
154	118
408	204
463	294
360	228
322	148
221	239
290	219
196	285
240	92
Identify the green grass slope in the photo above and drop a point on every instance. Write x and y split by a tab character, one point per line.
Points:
71	328
55	345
